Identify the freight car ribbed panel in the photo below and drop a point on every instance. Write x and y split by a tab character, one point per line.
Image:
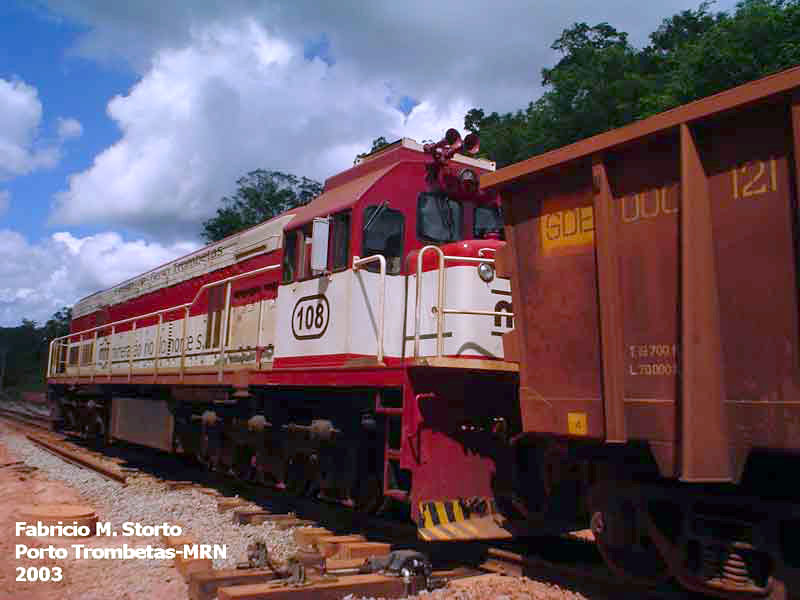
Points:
657	282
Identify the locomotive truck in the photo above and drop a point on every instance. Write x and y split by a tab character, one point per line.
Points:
363	348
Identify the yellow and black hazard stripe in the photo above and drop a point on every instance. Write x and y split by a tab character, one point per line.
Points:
450	520
444	520
440	511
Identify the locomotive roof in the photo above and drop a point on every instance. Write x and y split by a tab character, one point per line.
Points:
341	192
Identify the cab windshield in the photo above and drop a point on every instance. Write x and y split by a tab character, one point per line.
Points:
439	219
487	219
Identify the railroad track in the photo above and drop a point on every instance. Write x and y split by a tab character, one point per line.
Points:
335	526
38	421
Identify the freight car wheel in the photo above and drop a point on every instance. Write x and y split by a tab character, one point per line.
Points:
626	550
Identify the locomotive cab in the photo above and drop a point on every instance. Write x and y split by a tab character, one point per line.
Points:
394	205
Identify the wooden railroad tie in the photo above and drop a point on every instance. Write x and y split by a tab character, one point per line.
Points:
331	545
360	585
226	504
180	485
204	585
306	537
186	566
292	523
251	516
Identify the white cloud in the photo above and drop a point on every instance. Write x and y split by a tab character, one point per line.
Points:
5	196
69	128
20	117
222	92
22	147
493	53
36	279
235	99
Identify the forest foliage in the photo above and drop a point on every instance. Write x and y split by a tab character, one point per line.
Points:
602	82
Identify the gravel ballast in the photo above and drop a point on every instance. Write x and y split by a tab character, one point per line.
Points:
148	501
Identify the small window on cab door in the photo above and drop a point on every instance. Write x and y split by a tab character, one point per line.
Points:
383	234
289	256
340	247
304	259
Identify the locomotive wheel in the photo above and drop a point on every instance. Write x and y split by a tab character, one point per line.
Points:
367	494
99	430
296	479
70	422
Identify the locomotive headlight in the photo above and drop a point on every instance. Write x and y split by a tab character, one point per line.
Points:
486	272
468	180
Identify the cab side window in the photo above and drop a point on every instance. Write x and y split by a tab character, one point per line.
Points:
340	247
383	234
289	256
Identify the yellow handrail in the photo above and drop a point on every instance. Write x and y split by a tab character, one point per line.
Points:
186	307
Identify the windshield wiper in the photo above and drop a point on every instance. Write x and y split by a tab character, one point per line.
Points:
381	207
446	217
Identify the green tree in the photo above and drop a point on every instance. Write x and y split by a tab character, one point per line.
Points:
58	324
602	82
260	195
23	346
26	350
759	38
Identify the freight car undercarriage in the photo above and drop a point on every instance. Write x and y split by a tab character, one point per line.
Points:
726	540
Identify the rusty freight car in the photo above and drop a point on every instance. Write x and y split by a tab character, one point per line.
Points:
654	268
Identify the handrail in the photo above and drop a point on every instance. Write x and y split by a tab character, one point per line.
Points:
186	307
358	262
439	338
439	310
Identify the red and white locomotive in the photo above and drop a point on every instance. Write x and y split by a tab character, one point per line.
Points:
350	348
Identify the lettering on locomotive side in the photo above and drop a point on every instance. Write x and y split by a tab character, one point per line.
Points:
310	317
565	228
200	261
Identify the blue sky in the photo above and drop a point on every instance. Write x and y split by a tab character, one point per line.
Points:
122	124
36	50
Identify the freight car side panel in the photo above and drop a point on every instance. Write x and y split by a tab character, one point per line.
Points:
656	280
645	198
748	160
552	227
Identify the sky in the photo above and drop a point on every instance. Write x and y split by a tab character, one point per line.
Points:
123	124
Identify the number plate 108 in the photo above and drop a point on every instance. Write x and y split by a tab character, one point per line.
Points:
310	317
